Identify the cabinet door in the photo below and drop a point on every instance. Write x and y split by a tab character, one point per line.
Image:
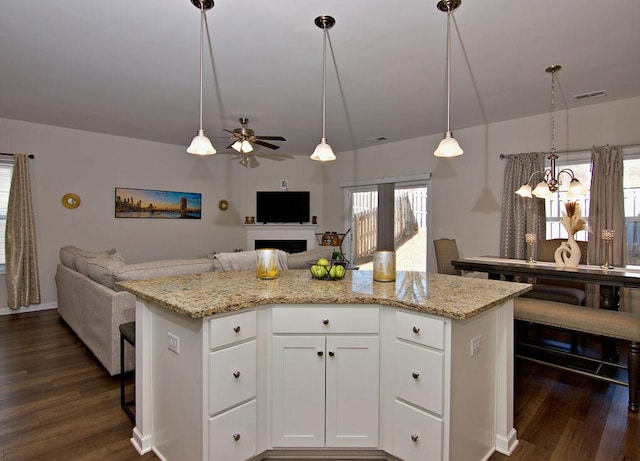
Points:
352	391
298	391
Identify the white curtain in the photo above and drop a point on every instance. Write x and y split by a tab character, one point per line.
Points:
23	285
520	215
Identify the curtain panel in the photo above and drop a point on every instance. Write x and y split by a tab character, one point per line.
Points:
520	215
23	285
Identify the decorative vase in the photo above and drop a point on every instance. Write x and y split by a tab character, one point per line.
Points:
568	253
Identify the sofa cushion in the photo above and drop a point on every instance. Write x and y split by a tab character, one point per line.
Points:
67	255
301	260
101	268
153	269
82	258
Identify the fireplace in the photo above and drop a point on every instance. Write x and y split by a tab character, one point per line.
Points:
290	246
292	238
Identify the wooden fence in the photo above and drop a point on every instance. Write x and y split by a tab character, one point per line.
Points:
409	212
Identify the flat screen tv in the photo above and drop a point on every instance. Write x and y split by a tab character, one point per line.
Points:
282	207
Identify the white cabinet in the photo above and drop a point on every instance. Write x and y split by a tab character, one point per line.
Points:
232	387
325	379
419	358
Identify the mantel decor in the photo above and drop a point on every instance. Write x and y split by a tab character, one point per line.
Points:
568	253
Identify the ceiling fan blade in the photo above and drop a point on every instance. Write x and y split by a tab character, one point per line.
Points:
276	157
266	144
271	138
253	161
228	131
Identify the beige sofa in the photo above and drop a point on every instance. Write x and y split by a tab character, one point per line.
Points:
89	304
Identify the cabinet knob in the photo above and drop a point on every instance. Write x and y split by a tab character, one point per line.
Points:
415	375
325	321
331	353
416	330
236	328
236	436
320	353
414	437
236	374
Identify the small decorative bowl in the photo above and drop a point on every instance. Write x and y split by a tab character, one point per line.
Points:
336	270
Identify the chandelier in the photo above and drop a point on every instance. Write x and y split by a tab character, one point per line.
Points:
551	181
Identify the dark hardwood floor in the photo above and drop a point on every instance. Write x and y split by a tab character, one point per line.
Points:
58	403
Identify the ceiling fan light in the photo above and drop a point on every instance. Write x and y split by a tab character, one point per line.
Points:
542	190
524	191
201	145
246	147
237	146
323	152
448	147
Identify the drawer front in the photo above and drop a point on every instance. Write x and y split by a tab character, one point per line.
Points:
232	376
232	328
417	436
232	435
419	329
326	319
419	376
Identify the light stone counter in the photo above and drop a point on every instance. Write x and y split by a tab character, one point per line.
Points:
217	292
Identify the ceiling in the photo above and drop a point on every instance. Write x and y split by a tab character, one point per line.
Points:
130	68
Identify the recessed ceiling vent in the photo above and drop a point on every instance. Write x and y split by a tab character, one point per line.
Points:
591	95
376	139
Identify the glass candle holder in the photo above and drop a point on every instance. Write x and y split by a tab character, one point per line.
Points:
531	239
607	235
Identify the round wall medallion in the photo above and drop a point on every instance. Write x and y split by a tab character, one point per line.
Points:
70	201
223	205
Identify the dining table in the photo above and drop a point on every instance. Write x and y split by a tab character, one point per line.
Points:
608	279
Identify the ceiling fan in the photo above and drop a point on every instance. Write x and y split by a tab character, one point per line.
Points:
243	138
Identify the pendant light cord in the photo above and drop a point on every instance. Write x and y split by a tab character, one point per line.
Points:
553	110
324	83
201	39
448	67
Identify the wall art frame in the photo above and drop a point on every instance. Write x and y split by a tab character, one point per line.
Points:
157	204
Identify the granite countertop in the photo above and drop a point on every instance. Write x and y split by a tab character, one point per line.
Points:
213	293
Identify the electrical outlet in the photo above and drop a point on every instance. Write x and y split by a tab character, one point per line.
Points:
173	343
476	345
284	184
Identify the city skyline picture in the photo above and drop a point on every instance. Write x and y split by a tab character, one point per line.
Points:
149	203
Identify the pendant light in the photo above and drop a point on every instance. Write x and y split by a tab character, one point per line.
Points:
551	180
201	144
448	147
323	151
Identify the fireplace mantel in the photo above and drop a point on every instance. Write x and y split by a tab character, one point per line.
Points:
281	232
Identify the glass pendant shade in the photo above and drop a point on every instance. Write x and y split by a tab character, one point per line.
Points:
244	146
323	152
524	191
576	189
542	190
448	147
201	145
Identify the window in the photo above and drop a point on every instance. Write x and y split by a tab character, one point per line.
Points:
6	170
582	170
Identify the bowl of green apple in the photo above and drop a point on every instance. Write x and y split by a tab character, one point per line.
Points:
325	269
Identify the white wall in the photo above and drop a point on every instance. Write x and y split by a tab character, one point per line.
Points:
92	165
466	192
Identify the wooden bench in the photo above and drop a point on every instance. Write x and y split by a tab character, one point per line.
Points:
609	323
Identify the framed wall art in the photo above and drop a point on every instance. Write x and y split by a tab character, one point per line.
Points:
147	203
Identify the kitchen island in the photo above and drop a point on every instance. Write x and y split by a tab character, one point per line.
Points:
229	367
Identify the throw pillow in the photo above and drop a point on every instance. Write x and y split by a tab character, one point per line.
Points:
101	268
301	260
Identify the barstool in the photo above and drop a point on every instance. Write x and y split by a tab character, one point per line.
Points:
128	334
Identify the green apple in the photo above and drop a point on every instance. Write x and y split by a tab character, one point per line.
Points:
323	262
318	271
336	272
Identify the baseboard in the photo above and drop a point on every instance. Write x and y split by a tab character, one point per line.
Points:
30	308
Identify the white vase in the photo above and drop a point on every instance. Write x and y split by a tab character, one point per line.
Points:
568	253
